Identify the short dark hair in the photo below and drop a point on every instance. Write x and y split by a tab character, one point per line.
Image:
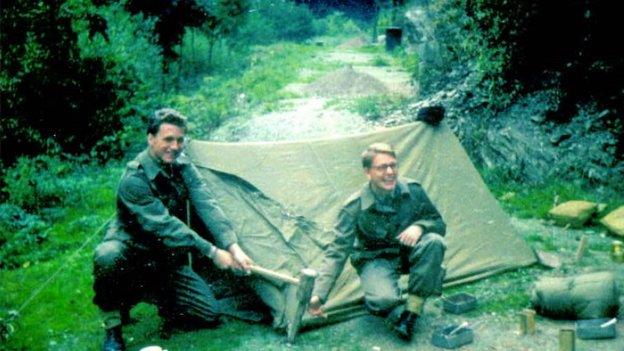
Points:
374	149
165	115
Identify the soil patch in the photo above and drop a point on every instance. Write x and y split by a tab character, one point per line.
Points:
347	82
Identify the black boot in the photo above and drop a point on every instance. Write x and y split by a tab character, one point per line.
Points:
113	341
404	328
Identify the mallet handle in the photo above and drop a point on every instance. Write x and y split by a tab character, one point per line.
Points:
274	275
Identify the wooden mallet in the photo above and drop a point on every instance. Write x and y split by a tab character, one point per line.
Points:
305	284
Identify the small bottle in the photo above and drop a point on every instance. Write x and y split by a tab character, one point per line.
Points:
617	251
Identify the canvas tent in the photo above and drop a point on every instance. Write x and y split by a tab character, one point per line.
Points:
283	198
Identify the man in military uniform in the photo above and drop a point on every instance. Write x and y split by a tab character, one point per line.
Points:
144	255
389	227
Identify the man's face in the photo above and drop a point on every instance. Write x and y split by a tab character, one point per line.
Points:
167	144
383	173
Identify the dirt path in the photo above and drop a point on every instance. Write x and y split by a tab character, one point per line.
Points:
312	115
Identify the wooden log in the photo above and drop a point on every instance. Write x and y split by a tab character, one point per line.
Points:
582	247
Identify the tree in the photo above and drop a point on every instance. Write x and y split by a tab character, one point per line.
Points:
51	97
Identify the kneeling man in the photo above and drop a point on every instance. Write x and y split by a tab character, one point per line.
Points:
389	228
144	255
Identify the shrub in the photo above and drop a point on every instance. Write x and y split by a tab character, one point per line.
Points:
271	21
44	181
50	91
20	234
374	108
337	24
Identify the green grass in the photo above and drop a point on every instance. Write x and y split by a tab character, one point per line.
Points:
61	315
502	294
257	87
534	201
374	108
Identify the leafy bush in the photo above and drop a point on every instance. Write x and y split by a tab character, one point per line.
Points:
374	108
35	183
272	21
46	181
20	235
51	94
337	24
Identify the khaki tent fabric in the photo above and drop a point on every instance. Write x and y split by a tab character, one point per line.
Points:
283	198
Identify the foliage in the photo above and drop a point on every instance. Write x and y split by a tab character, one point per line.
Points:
374	108
53	204
535	201
337	25
20	235
51	95
171	18
256	85
360	10
272	21
518	48
40	182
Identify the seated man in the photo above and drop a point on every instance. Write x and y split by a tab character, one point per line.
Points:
144	255
389	227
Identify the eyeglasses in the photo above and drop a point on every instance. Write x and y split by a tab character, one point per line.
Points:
384	167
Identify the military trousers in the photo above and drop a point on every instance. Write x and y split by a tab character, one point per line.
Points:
125	276
380	276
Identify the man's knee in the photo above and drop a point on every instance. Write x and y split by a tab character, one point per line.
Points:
108	256
435	240
432	243
380	302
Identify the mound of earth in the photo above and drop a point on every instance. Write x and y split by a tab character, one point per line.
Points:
353	43
346	82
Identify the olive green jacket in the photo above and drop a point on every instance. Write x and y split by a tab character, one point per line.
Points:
367	229
152	208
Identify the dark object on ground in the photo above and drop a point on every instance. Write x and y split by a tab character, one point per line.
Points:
601	328
113	340
460	303
404	328
585	296
431	114
450	337
393	37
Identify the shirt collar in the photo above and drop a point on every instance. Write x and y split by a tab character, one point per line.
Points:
368	198
152	168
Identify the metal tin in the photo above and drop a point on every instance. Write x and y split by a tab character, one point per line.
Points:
526	322
600	328
567	340
452	336
530	321
459	303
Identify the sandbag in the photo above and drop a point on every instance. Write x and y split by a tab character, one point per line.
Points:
575	213
614	221
586	296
